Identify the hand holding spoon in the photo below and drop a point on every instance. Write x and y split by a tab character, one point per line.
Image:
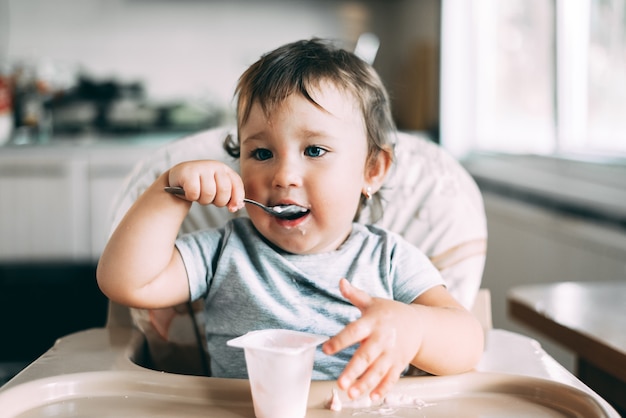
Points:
281	211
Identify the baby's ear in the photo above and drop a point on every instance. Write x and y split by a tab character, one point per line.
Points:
377	169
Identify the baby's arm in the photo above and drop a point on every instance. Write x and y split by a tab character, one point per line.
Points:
434	333
140	265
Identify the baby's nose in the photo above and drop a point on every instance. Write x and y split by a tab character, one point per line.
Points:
288	174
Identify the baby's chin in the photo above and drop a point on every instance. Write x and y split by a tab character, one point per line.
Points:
299	236
296	244
302	242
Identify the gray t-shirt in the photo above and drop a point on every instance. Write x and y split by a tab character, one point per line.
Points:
249	284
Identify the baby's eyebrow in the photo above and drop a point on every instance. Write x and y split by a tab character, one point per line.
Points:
314	134
259	136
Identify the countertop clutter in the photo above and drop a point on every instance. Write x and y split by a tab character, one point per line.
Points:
38	104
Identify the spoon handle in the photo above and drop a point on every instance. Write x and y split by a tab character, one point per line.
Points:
261	205
177	190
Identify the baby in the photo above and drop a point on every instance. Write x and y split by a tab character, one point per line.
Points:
314	130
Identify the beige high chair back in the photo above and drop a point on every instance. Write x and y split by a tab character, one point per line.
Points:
428	198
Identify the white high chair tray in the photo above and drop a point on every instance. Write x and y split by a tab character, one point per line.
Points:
155	394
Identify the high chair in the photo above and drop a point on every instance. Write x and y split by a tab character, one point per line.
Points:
428	198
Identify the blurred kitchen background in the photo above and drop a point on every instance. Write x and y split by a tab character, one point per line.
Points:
529	94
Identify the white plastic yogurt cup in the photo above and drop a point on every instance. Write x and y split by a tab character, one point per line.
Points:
280	365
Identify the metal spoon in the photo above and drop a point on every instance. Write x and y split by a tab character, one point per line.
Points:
281	211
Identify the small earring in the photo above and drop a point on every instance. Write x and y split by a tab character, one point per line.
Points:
368	193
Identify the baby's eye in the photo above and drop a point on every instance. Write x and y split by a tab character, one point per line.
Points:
262	154
314	151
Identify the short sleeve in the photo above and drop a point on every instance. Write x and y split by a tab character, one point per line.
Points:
412	273
199	251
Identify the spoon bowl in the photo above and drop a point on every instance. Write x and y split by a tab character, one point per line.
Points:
280	211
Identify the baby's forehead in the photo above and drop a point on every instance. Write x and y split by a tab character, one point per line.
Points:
336	99
326	95
332	88
325	112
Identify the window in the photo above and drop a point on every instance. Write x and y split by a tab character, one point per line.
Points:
534	76
606	120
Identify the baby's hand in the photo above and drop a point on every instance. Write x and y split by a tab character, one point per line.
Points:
207	182
389	336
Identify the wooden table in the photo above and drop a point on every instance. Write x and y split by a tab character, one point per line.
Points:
588	318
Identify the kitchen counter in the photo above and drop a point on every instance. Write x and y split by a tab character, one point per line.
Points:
61	193
94	141
595	190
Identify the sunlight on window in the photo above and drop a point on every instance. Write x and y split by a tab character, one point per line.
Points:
607	76
534	76
514	76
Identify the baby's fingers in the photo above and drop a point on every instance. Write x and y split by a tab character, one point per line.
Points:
355	331
380	383
227	189
208	182
352	333
364	370
238	193
356	296
377	379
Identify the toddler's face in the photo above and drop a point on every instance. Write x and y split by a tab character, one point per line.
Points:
312	157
